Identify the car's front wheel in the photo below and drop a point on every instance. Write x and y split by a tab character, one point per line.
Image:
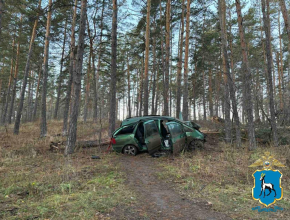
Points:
195	144
130	150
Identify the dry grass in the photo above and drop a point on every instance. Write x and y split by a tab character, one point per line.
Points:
220	175
36	183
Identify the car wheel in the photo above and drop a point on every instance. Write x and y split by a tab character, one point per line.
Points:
196	144
130	150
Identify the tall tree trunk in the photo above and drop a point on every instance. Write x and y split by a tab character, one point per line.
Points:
87	95
203	92
26	72
257	96
72	133
92	57
154	70
217	88
146	92
210	94
9	86
43	126
166	77
231	47
37	92
71	69
287	26
1	12
129	86
141	88
203	74
96	76
157	92
247	81
185	87
222	9
60	74
30	96
112	119
11	108
285	17
281	78
179	65
266	21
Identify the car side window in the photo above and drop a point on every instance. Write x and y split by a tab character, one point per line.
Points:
187	129
175	129
151	129
126	130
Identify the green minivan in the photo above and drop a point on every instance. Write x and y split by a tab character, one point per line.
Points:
153	133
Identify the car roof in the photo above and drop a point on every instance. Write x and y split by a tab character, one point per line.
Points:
149	117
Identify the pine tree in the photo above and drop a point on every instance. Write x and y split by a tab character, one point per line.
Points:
72	133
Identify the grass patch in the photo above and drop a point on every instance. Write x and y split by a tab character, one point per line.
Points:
222	177
36	183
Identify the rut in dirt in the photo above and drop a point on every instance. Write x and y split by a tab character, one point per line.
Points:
157	199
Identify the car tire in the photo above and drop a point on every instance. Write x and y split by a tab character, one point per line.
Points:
130	150
195	144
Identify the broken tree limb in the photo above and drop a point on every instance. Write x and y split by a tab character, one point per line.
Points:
80	144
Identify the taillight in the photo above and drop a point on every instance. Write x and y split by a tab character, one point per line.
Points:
113	140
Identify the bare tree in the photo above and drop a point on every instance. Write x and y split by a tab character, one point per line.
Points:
72	133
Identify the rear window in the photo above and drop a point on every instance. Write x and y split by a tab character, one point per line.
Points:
126	130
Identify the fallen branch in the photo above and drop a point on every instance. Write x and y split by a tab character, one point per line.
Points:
80	144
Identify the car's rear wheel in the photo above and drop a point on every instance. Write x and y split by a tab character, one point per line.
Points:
130	150
195	144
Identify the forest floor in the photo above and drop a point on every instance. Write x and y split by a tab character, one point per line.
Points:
210	183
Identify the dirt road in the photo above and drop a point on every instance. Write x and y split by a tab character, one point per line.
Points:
157	199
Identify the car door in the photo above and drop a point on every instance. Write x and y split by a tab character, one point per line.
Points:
177	136
152	137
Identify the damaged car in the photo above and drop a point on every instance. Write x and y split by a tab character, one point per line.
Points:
153	133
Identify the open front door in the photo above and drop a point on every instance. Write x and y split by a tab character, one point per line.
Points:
152	137
177	136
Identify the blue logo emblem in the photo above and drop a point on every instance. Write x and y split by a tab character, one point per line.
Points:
267	186
267	182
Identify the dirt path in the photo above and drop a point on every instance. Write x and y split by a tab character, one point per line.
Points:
157	199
